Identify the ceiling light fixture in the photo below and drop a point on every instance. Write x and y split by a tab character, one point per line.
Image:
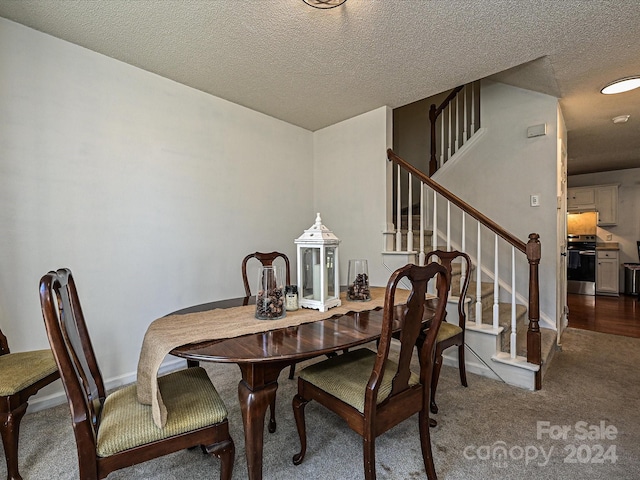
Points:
622	85
621	119
324	4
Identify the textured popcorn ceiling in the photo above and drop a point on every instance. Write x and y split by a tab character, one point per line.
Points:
314	68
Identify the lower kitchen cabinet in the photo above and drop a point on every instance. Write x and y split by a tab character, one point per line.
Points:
607	273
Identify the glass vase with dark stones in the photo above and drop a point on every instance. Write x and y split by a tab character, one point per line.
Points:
358	281
270	299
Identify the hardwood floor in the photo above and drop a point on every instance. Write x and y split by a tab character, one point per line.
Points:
616	315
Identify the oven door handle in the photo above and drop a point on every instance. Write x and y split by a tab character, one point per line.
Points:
587	252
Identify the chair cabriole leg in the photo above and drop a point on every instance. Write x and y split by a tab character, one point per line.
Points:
10	429
226	452
272	416
298	405
434	381
461	366
425	443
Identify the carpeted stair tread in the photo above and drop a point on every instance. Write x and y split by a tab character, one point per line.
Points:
548	336
416	239
486	295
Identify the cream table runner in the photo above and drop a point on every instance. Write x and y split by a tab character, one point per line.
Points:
167	333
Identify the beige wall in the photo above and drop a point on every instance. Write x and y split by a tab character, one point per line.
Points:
150	191
350	173
153	192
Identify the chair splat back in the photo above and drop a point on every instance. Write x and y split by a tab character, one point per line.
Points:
412	317
446	260
81	375
451	334
265	259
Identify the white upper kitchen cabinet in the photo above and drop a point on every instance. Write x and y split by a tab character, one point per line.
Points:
602	198
581	198
607	204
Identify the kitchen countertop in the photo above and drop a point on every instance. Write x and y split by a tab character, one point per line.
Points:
608	246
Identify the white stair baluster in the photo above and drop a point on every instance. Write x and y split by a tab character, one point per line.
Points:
427	211
496	288
422	213
465	132
478	279
442	144
463	246
399	213
457	133
513	302
450	126
410	215
448	226
473	108
434	235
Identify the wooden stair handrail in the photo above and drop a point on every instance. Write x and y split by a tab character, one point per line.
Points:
434	113
464	206
446	101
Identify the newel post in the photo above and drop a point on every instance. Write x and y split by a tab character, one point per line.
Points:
433	163
534	339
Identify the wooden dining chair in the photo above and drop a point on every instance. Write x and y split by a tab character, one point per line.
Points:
267	259
371	391
22	374
451	334
115	431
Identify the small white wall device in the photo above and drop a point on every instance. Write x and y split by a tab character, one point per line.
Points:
537	130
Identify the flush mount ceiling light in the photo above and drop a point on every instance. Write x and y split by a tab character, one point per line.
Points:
324	4
622	85
621	119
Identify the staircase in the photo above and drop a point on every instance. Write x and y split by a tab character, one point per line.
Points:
504	339
483	338
485	344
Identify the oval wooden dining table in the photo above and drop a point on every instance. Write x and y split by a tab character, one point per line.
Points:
262	356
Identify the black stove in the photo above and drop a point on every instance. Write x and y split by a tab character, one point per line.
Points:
581	264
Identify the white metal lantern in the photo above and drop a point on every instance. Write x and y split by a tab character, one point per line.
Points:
318	276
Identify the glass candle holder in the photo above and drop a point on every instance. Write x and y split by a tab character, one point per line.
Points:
270	300
358	281
291	297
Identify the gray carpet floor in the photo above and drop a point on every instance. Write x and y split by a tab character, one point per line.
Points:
489	430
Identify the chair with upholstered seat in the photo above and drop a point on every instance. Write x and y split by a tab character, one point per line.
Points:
451	334
371	390
22	374
115	431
